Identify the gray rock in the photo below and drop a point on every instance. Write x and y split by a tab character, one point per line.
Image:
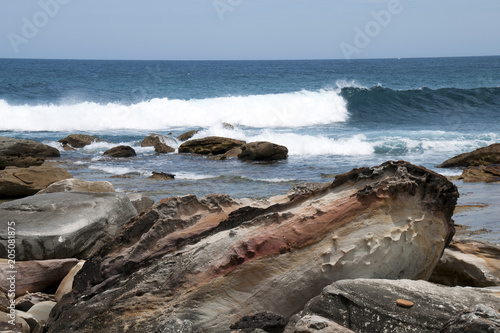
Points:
24	153
317	324
480	318
175	326
366	305
263	151
78	185
64	225
140	201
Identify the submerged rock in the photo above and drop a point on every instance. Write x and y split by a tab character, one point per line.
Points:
212	145
24	153
78	185
481	156
64	225
211	261
21	182
162	176
367	305
120	151
79	140
263	151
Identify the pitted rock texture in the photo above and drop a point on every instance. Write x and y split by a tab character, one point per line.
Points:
213	260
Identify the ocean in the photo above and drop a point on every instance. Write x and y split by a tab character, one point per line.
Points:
333	115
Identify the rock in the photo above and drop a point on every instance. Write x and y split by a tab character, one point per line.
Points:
162	148
480	318
469	262
404	303
162	176
263	151
214	260
488	173
140	201
28	318
78	185
33	276
314	323
21	182
152	140
481	156
41	311
66	285
64	225
24	153
212	145
231	153
4	300
367	305
269	322
120	151
187	135
26	302
79	140
227	126
175	326
21	326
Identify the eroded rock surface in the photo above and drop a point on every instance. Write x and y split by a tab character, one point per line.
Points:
487	173
212	145
78	185
481	156
207	262
480	318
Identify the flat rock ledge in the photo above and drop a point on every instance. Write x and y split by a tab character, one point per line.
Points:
206	263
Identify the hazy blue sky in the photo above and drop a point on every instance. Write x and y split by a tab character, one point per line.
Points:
248	29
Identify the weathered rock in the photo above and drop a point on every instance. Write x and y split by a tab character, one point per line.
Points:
24	153
488	173
26	302
480	318
162	148
366	305
21	182
28	318
481	156
263	151
162	176
21	326
140	201
78	185
120	151
41	311
79	140
212	145
4	300
64	225
187	135
231	153
469	262
152	140
267	321
33	276
214	260
314	323
66	285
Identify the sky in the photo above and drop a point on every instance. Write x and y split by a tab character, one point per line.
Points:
248	29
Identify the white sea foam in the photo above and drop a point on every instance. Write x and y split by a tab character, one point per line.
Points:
296	109
119	170
192	176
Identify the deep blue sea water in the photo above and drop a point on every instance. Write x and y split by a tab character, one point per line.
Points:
333	115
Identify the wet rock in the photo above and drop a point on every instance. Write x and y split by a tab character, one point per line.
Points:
64	225
140	201
213	260
267	321
21	182
227	126
232	153
120	151
366	305
480	318
488	173
66	285
481	156
315	323
469	262
78	185
187	135
33	276
162	176
263	151
79	140
24	153
162	148
212	145
152	140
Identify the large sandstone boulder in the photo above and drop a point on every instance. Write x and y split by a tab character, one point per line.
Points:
367	305
469	262
120	151
21	182
481	156
263	151
33	276
24	153
78	185
64	225
208	262
212	145
79	140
